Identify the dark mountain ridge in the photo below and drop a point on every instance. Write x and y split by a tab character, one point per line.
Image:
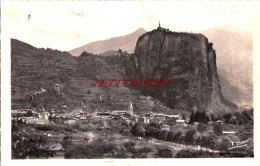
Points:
126	43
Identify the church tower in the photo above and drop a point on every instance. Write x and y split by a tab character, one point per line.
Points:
131	108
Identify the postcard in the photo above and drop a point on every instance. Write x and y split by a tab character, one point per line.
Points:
129	82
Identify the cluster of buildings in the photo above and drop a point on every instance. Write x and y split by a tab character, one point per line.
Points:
29	116
127	116
164	119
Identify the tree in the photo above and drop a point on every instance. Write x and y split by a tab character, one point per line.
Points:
223	146
213	117
218	129
227	117
212	141
189	136
183	116
120	51
171	122
95	149
164	153
29	113
125	132
163	135
203	117
28	146
170	137
67	141
138	130
145	150
177	136
191	117
155	125
149	131
197	116
204	141
201	127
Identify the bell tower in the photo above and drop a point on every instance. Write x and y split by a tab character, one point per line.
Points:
131	108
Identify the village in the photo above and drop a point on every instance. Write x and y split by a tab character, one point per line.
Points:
128	117
30	116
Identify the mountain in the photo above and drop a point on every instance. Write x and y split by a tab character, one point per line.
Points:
126	43
234	59
235	63
189	61
34	69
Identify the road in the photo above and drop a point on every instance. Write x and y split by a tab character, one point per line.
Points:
182	146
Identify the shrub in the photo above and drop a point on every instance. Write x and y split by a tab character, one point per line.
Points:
218	129
201	127
94	150
189	136
164	153
194	154
138	130
129	146
224	144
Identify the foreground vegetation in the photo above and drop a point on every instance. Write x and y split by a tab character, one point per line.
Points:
114	139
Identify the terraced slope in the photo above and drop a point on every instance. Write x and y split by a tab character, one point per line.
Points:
33	69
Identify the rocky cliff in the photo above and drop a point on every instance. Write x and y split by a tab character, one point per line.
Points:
189	60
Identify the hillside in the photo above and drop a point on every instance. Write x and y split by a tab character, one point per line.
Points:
33	69
234	62
126	43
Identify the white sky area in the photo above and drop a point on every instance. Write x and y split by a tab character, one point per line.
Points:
68	25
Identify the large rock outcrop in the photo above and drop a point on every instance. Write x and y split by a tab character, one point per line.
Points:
189	61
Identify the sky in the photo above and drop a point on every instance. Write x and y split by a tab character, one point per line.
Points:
68	25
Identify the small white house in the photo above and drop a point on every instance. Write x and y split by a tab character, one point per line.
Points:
219	122
228	132
70	122
166	127
180	122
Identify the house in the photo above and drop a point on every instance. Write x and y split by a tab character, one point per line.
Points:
180	122
176	116
136	118
30	120
18	113
71	121
144	119
228	132
43	115
34	120
103	114
159	117
187	120
166	127
83	117
56	147
219	122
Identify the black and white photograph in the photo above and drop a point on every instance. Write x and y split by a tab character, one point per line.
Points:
129	80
